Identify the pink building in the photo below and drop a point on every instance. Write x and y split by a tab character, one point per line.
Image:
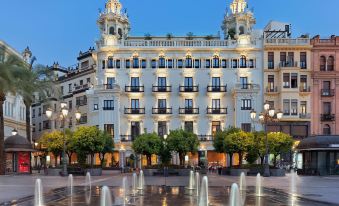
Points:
325	93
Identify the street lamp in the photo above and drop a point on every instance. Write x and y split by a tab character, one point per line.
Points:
14	132
63	116
269	115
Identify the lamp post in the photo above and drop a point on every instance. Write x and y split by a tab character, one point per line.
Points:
269	115
165	168
63	117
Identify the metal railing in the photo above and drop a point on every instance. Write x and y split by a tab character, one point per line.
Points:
162	88
327	117
161	110
211	110
189	88
189	111
134	111
217	88
134	89
327	92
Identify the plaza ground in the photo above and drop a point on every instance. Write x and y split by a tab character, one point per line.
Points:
316	188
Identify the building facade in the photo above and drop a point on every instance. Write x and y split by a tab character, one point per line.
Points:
287	79
13	107
158	84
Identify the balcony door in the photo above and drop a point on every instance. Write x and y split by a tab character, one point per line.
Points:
162	105
135	83
135	105
216	127
216	105
271	83
110	82
244	82
188	83
135	130
327	108
162	83
188	106
162	129
215	83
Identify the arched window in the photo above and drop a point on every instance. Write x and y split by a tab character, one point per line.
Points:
120	32
327	129
111	30
322	63
241	30
243	62
216	61
188	62
330	63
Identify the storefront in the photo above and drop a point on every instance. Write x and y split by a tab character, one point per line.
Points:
319	155
18	155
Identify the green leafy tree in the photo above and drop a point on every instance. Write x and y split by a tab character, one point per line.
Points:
70	145
258	145
147	144
54	142
9	81
182	142
165	154
38	80
238	142
279	143
107	146
87	142
220	140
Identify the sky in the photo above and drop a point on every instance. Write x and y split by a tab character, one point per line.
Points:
57	30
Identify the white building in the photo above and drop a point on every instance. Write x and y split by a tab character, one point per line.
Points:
157	84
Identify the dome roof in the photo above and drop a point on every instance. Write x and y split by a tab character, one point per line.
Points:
17	143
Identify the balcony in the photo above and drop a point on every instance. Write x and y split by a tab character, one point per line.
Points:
305	89
162	88
216	88
327	92
305	116
216	110
270	65
126	138
272	89
247	86
286	64
287	41
327	117
108	108
189	111
189	89
205	138
134	111
134	89
161	110
108	86
80	88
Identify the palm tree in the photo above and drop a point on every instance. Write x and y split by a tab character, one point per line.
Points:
35	81
9	69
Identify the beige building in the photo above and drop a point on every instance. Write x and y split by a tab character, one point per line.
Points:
287	78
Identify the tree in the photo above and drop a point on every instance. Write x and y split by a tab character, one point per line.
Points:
70	145
148	36
54	142
87	142
220	140
182	142
8	84
165	154
38	81
279	143
107	145
147	144
258	146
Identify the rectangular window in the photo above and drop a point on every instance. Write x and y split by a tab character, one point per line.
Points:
95	107
189	126
234	63
103	64
110	63
62	90
270	80
162	82
246	127
208	63
88	80
286	106
286	80
81	82
143	64
216	62
224	63
188	62
270	60
294	80
135	63
294	107
118	63
216	103
70	105
135	104
271	103
283	57
109	128
135	82
303	107
197	63
180	63
303	83
303	60
128	63
33	113
216	127
69	88
251	63
162	128
290	59
154	64
81	101
246	104
108	105
244	82
162	103
170	63
188	103
162	62
83	119
135	130
215	81
327	107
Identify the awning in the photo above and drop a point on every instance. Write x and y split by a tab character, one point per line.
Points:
319	143
18	143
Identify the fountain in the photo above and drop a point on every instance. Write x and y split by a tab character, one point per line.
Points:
197	183
235	196
141	185
203	197
88	188
106	198
38	194
242	182
70	189
293	187
258	187
70	185
191	183
124	190
134	184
